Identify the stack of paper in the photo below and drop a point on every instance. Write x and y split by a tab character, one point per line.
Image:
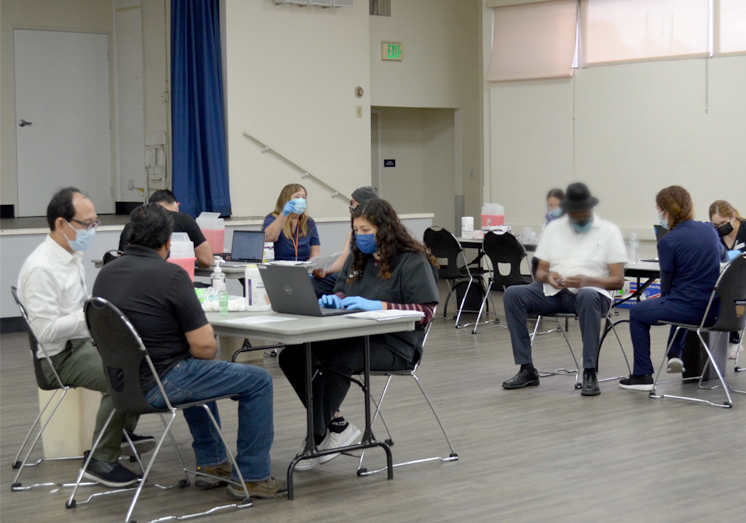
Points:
392	314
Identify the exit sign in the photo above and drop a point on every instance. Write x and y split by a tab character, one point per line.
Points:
391	51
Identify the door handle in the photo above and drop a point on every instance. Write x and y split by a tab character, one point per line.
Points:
23	123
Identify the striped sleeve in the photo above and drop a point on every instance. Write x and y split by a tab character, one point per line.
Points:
428	309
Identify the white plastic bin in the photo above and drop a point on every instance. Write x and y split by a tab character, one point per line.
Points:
182	252
213	227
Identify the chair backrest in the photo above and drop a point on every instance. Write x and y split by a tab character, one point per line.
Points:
41	378
731	288
505	248
443	244
418	354
111	256
122	353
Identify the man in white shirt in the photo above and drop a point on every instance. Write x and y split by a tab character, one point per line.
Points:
52	288
581	258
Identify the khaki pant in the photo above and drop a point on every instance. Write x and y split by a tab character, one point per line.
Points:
79	365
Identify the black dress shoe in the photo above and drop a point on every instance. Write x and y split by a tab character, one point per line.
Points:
590	384
525	378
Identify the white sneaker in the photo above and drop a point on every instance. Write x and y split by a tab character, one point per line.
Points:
734	349
675	366
308	464
338	439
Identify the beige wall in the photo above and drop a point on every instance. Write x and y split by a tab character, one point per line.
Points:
626	130
291	76
440	69
422	143
68	15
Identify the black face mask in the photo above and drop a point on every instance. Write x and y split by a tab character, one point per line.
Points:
725	229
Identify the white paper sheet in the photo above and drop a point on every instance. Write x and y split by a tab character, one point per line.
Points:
391	314
256	320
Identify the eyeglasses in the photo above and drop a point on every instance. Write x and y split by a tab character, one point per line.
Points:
89	226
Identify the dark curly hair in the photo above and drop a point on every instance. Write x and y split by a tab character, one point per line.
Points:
677	202
392	238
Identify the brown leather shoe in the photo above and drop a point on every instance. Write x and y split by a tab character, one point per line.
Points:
217	471
269	489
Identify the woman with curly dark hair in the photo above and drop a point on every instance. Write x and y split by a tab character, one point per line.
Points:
690	256
387	269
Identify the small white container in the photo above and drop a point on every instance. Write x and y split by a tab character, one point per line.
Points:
256	295
269	252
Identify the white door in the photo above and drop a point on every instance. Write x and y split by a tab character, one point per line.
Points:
63	117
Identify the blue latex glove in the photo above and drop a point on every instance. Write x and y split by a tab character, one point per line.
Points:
296	206
331	301
358	302
734	254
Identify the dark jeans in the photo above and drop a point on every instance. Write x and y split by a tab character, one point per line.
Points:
194	380
329	388
644	314
521	301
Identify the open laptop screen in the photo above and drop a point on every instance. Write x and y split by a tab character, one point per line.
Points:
247	245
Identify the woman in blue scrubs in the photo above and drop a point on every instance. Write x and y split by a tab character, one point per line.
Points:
689	256
290	228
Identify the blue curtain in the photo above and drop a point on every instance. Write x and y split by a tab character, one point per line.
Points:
200	164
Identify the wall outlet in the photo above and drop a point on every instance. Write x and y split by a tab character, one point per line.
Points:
130	185
359	111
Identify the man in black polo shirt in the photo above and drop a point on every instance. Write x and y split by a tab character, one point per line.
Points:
182	223
159	300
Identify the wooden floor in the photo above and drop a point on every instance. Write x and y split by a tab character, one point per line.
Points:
539	454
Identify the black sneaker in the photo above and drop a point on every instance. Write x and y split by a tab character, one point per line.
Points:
110	474
637	382
142	444
524	378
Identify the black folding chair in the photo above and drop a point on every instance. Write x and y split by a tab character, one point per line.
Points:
502	248
55	385
453	456
731	289
458	271
123	353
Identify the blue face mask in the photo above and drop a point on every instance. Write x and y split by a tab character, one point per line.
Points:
664	223
582	226
556	213
366	243
83	239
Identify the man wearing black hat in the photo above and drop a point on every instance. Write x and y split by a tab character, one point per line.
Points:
581	258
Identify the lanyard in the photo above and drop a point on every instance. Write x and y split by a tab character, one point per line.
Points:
295	240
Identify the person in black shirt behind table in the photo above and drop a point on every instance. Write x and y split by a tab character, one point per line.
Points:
731	228
182	223
159	299
387	269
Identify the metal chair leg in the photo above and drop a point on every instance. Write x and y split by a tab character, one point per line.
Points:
453	456
736	368
20	465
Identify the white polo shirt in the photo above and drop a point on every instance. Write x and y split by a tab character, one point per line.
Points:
570	253
52	288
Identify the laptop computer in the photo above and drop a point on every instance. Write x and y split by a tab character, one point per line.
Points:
247	247
290	291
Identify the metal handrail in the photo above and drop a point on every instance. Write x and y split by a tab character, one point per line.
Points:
304	173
